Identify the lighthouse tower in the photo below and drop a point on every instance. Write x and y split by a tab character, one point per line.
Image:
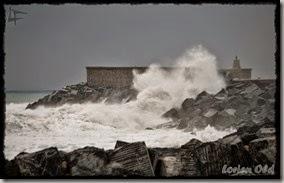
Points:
236	64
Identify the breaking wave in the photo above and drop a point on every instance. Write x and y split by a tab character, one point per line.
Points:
72	126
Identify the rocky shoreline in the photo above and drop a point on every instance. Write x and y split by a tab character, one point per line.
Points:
247	106
241	103
80	93
246	102
250	146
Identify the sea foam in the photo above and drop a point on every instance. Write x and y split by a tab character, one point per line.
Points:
72	126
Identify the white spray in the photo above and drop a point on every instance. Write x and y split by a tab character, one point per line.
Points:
99	124
196	71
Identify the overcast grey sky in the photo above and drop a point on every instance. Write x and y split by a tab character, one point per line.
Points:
51	46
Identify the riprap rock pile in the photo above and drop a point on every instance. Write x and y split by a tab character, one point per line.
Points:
241	103
251	146
81	93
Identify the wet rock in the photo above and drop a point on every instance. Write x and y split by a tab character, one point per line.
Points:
148	128
190	163
82	93
170	166
88	161
222	120
242	105
251	91
120	143
268	155
265	132
197	122
74	92
263	143
192	144
261	101
154	157
232	139
263	150
173	113
210	113
177	162
212	157
42	163
247	147
222	94
133	156
248	137
183	123
203	95
170	124
248	129
230	111
11	168
187	103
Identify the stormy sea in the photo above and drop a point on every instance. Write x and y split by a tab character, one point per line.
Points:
74	125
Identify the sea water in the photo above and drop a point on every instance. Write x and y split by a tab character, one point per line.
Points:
72	126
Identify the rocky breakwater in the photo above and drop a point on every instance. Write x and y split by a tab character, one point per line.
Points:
241	103
251	148
81	93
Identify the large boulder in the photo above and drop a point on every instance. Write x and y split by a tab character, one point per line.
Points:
48	162
88	161
263	150
172	113
187	104
133	156
212	156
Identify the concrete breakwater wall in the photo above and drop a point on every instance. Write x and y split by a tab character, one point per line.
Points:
120	77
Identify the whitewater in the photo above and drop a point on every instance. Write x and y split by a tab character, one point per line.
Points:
73	126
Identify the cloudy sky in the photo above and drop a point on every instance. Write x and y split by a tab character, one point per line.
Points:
51	46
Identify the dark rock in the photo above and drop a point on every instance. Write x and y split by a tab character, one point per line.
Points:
11	168
120	143
133	156
221	120
261	101
172	113
240	105
248	129
268	155
89	161
198	122
192	144
245	148
212	157
190	164
232	139
82	93
222	94
183	123
263	150
265	132
42	163
170	124
247	137
176	162
154	157
148	128
187	103
171	166
116	171
203	95
262	143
